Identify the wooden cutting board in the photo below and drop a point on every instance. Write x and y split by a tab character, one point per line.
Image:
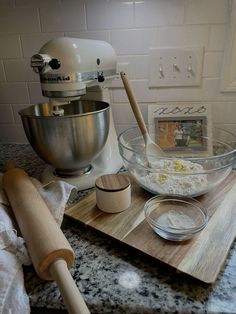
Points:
201	257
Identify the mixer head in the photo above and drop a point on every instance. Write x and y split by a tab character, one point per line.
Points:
67	66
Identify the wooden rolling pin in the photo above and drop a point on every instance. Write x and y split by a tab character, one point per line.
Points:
50	251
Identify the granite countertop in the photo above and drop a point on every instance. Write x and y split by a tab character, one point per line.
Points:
114	278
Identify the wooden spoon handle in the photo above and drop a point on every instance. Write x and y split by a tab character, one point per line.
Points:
133	103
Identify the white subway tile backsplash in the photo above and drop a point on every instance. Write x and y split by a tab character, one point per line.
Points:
19	70
2	74
105	14
205	11
36	3
139	41
223	111
192	35
208	91
6	4
211	91
12	133
212	64
210	88
16	108
179	94
35	93
100	35
19	20
217	37
10	46
119	95
231	127
63	18
132	27
141	91
123	112
31	44
159	12
141	67
133	42
6	114
13	93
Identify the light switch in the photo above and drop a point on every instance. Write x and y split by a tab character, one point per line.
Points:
175	66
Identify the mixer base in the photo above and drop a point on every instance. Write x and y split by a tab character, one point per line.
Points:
69	174
81	182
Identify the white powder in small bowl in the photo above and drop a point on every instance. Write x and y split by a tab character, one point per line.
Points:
174	219
174	177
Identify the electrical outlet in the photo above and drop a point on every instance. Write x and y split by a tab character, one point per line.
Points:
175	66
121	67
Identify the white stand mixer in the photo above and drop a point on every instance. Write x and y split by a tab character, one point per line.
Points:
74	69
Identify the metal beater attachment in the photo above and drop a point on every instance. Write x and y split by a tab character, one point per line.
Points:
57	111
55	104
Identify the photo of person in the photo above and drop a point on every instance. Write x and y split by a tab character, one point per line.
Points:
181	134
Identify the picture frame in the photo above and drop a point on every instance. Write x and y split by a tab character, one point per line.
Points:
181	128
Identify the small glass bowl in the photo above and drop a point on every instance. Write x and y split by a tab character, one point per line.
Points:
175	219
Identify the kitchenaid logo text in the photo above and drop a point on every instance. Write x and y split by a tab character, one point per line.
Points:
56	78
59	78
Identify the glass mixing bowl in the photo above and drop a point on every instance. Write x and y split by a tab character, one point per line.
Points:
175	219
187	172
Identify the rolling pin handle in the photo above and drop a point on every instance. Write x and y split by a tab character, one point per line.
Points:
8	165
71	296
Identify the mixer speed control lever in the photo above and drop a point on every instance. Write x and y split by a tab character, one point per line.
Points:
100	77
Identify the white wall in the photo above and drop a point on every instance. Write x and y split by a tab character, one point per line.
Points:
131	27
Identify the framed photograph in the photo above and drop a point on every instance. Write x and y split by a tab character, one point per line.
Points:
183	128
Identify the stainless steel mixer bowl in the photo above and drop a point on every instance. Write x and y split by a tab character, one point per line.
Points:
70	142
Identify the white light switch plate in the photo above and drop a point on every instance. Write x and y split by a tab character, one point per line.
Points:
175	66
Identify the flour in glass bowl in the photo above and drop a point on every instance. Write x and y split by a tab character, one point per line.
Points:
175	177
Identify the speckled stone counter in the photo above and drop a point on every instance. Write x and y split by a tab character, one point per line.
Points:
113	278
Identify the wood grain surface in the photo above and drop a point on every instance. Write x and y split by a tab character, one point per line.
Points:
201	257
112	182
